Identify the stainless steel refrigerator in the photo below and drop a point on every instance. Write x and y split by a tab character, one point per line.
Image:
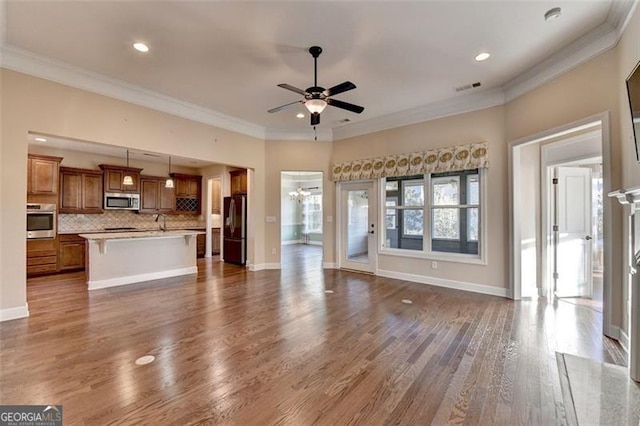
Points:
235	229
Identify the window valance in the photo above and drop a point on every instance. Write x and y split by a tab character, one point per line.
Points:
452	159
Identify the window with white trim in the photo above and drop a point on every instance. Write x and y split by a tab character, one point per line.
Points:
437	213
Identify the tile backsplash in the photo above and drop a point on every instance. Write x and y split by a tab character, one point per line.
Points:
72	223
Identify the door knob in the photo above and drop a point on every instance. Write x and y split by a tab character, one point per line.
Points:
588	237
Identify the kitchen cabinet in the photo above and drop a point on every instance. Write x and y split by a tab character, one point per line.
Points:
215	243
71	252
113	176
42	174
154	196
188	193
42	257
216	197
238	181
201	245
80	191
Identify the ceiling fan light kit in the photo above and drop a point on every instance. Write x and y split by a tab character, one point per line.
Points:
317	98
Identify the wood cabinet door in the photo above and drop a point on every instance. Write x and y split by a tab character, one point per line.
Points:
71	255
44	176
166	198
215	241
182	187
194	188
239	182
216	197
149	195
70	191
113	180
92	192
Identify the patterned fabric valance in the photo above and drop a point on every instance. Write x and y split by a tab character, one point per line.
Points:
453	159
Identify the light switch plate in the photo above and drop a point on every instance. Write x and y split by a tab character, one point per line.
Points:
271	219
329	219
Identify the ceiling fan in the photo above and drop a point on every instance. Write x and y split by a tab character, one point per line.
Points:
317	98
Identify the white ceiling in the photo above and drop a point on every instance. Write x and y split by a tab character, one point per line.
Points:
229	56
64	144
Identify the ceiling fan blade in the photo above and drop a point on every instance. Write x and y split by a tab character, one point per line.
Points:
315	118
281	107
342	87
293	89
345	105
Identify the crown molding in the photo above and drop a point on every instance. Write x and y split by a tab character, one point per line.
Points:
620	14
458	105
324	135
30	63
580	51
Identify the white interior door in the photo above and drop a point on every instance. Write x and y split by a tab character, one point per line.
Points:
572	233
358	226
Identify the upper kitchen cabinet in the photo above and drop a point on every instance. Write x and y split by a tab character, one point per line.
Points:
154	196
80	191
42	174
238	181
114	176
188	193
216	197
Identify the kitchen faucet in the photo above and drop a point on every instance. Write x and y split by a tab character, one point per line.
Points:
163	227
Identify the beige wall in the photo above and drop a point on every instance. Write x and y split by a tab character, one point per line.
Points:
297	156
486	125
587	90
33	104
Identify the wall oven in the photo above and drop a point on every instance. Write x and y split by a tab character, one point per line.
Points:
41	221
121	201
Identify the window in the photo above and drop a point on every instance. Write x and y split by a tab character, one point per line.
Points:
438	213
454	212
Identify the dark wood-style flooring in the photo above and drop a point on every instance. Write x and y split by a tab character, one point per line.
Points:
271	347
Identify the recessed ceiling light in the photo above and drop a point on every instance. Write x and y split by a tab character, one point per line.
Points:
552	14
39	139
141	47
482	56
300	115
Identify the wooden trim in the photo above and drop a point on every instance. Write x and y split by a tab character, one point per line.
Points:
127	169
84	171
45	157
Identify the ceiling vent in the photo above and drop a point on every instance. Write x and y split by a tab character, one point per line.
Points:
344	120
467	87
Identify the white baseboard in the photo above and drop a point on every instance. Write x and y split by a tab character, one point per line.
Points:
290	242
441	282
329	265
14	313
315	243
263	266
131	279
617	333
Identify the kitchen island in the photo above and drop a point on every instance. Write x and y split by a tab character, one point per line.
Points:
121	258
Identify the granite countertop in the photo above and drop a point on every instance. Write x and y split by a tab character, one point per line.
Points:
139	234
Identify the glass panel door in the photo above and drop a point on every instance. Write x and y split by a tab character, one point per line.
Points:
358	234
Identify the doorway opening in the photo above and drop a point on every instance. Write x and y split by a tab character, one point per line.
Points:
580	154
301	233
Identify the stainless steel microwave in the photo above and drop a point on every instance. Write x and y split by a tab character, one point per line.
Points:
41	221
121	201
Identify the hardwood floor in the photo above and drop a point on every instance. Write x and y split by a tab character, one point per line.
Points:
271	347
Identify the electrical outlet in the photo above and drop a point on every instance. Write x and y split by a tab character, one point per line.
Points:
434	265
273	251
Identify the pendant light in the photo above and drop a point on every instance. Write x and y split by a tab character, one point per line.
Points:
127	180
169	182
